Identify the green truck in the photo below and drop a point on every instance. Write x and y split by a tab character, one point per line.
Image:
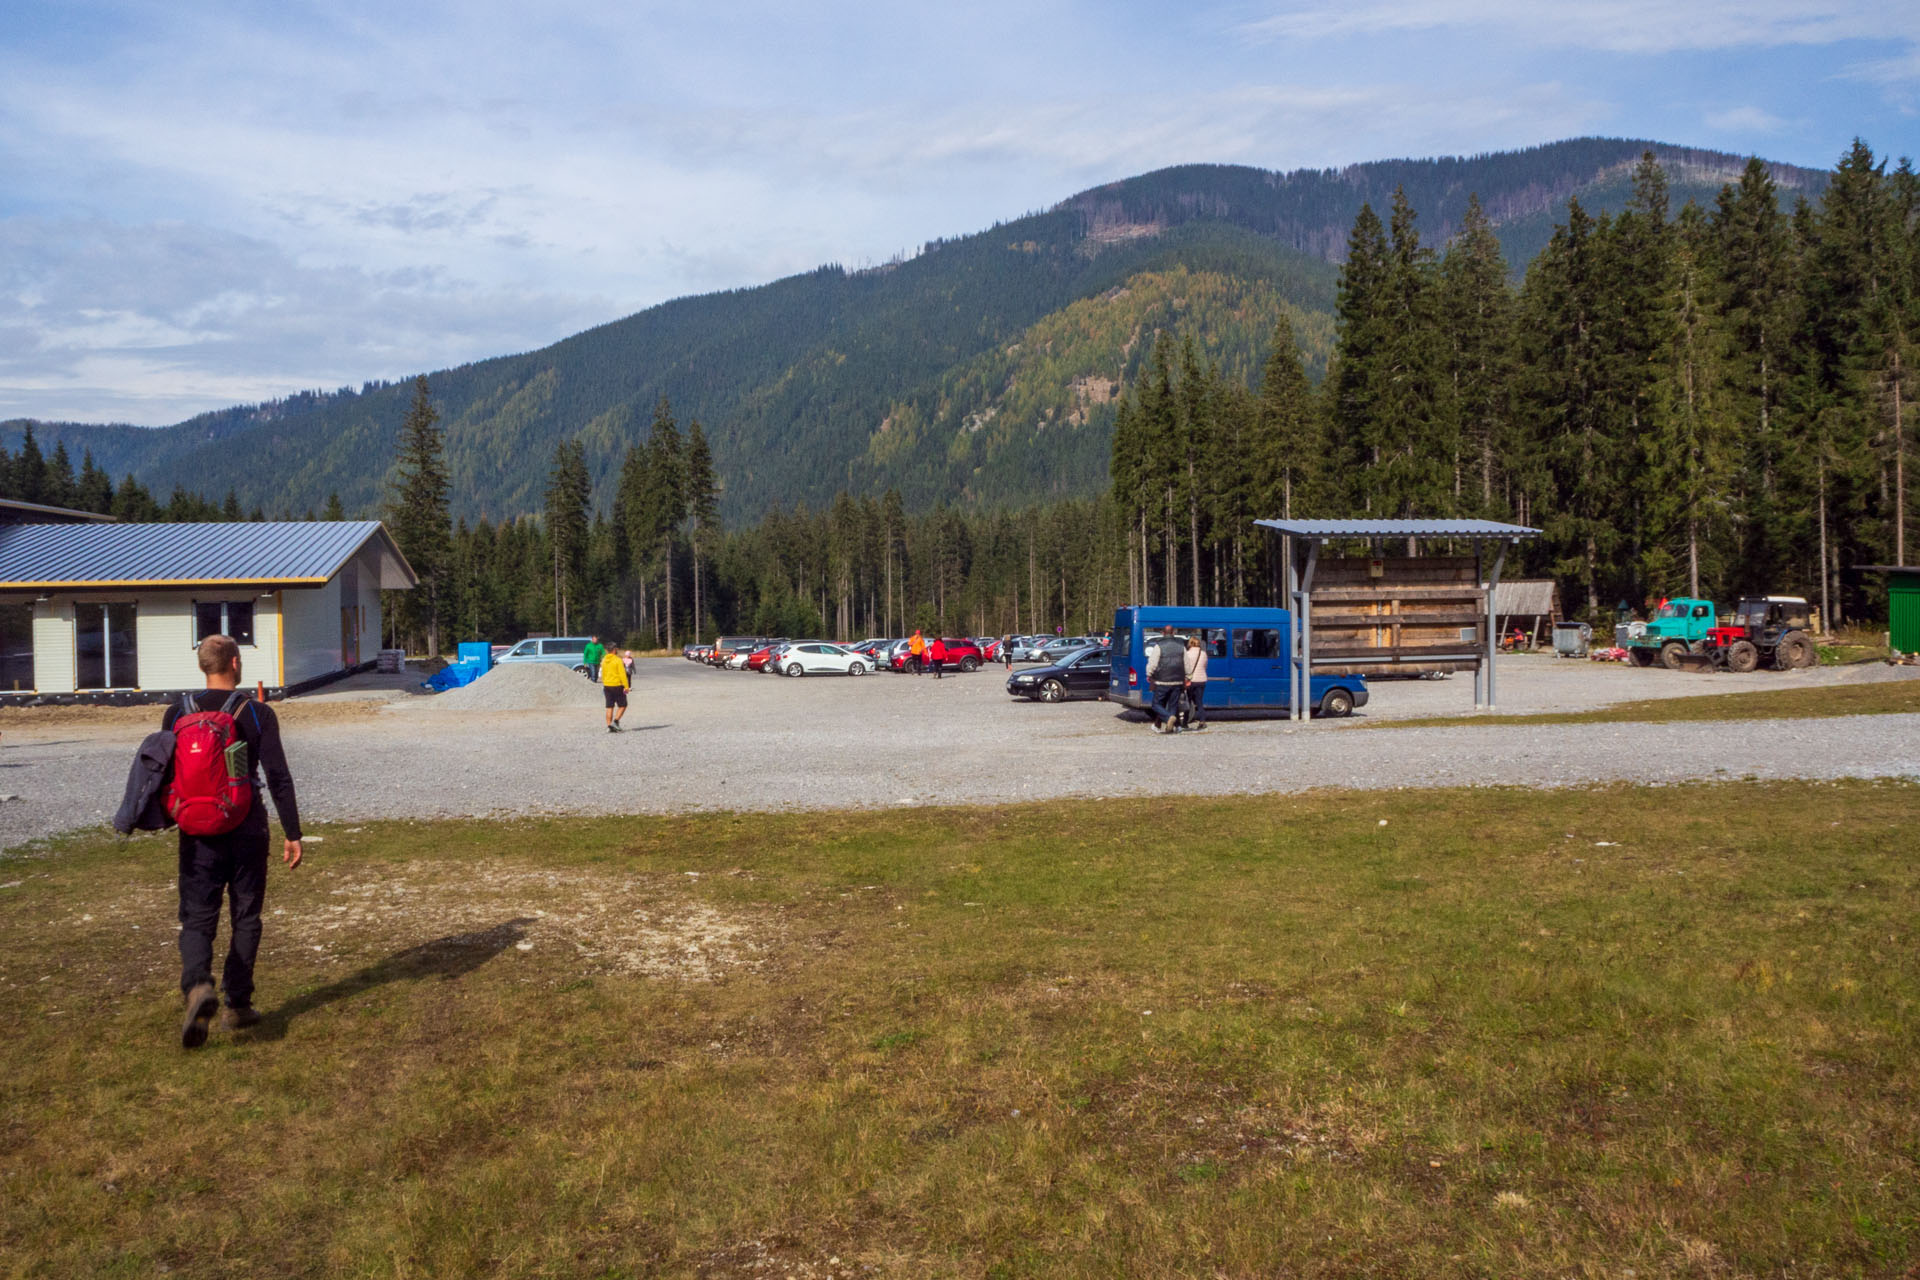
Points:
1774	630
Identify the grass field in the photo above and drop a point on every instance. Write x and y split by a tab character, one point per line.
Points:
1657	1031
1885	698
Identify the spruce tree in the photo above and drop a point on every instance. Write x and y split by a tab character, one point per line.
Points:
61	489
418	515
1357	380
569	489
1753	262
703	512
1691	452
30	470
1476	305
333	511
1288	454
1411	439
95	490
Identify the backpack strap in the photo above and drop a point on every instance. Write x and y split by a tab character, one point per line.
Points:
235	700
187	707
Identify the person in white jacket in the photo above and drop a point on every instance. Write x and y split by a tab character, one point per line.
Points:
1193	713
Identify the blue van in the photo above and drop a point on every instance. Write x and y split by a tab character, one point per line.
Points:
1248	668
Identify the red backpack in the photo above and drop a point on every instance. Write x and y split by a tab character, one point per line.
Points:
211	789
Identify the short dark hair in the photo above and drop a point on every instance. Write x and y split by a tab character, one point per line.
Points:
217	654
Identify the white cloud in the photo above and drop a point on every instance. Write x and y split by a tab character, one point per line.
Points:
1745	120
1615	26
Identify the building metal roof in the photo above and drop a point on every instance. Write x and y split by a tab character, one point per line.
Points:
1329	529
49	557
1887	568
1524	597
14	511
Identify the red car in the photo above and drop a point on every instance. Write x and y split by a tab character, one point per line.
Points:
963	655
757	660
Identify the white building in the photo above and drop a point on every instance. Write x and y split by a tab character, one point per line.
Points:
113	610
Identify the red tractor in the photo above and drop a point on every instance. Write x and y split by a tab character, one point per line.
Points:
1770	629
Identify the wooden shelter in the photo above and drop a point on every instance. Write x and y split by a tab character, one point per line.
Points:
1370	613
1531	604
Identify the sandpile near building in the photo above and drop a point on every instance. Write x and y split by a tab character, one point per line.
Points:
521	686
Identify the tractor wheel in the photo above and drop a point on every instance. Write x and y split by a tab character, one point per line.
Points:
1670	654
1640	657
1796	650
1742	656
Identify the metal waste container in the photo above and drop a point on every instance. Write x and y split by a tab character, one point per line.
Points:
1571	639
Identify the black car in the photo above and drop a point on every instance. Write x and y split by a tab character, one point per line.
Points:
1081	674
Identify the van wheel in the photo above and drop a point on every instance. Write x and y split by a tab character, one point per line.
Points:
1053	691
582	670
1336	704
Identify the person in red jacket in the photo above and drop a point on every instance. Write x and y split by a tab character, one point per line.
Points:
936	654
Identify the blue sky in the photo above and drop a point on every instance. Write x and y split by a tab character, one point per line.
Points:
204	204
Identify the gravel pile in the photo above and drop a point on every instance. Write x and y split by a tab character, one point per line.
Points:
520	686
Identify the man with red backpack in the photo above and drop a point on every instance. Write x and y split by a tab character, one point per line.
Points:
222	740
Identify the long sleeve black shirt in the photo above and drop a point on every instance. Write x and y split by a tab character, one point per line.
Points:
259	728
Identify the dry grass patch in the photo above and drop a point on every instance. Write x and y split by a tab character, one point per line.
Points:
1511	1033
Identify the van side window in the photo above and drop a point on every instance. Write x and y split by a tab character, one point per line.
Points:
1216	642
571	647
1256	644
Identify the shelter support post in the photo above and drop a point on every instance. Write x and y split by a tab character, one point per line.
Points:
1493	639
1302	708
1480	668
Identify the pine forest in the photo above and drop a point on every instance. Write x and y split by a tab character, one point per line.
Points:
1713	399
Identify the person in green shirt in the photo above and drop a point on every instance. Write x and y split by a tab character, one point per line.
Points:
593	655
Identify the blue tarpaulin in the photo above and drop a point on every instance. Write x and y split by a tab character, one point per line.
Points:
454	676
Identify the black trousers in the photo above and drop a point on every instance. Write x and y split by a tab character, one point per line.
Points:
1194	712
231	867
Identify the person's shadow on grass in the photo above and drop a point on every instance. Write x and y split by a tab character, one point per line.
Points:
453	956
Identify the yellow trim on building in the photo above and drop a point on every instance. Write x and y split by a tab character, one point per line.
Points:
280	634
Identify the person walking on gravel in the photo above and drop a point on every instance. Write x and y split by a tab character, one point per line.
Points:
917	652
1193	713
1167	671
614	683
936	655
592	656
231	865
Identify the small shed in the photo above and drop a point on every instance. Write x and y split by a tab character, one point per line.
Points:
1374	614
114	612
1903	604
1530	604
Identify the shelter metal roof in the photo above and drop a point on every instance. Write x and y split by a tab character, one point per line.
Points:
1327	529
14	511
1524	596
1887	568
285	552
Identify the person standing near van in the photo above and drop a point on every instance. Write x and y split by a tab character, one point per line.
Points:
593	655
223	854
614	683
936	655
1167	670
1193	714
917	652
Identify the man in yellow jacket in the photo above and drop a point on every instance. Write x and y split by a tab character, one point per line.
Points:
613	684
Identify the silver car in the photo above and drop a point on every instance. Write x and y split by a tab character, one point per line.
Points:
568	651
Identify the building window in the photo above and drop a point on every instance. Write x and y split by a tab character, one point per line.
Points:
105	654
223	618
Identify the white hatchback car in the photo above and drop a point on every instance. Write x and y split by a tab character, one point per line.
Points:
816	657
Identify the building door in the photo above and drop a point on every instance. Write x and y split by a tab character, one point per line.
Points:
350	636
16	648
105	653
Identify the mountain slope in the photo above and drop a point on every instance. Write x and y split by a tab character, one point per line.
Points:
966	373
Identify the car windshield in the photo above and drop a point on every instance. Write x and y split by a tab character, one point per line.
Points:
1672	611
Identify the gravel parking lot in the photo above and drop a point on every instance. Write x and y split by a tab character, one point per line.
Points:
704	739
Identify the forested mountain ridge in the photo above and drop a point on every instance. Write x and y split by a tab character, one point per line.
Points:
957	375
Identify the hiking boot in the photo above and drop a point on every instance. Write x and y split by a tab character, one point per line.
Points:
239	1017
202	1004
